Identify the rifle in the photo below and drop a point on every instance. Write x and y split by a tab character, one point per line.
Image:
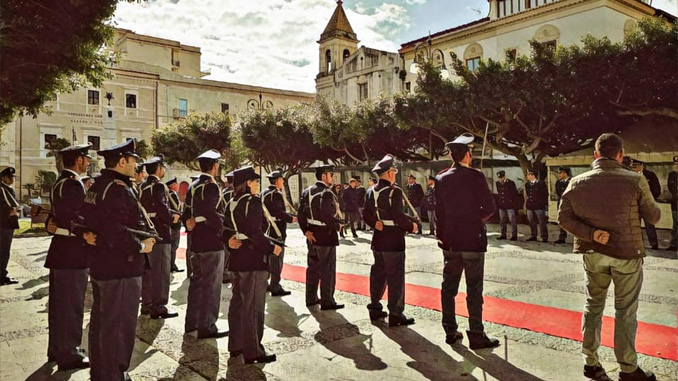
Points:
79	230
274	240
411	218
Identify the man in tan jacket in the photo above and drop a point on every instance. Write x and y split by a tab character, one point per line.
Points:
602	208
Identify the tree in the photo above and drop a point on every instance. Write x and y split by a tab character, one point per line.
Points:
54	147
185	141
50	47
44	181
143	149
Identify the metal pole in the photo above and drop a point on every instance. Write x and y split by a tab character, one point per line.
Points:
482	156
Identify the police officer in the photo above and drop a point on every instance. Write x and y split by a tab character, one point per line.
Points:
536	199
672	184
563	181
67	262
362	192
175	232
116	263
656	189
155	198
319	220
463	204
274	202
507	196
9	221
140	175
227	193
384	213
207	249
248	265
186	218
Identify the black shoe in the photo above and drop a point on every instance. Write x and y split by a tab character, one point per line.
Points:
225	281
7	281
480	340
654	247
453	338
145	312
175	269
214	335
560	241
313	303
594	372
672	248
395	321
355	236
531	239
264	359
234	354
166	315
281	292
514	238
80	364
334	306
376	315
637	375
501	237
545	240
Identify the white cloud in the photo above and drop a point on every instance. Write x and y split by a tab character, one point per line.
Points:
418	2
259	42
670	6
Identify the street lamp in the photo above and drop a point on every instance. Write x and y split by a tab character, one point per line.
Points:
252	104
415	68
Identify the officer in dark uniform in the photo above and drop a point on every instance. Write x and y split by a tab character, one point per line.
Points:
248	265
207	249
656	189
9	221
140	175
507	197
116	262
155	199
672	184
536	200
67	262
274	202
384	213
186	216
463	204
563	181
361	202
227	193
175	231
319	220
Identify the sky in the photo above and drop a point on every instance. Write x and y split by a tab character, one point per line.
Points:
273	43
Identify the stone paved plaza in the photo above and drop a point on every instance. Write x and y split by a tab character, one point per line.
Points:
344	345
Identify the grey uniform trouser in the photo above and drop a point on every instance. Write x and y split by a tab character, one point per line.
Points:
66	306
388	268
6	236
246	313
473	264
322	267
113	327
275	266
176	239
204	292
189	270
227	274
538	217
156	281
627	276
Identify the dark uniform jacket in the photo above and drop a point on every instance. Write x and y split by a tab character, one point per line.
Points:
67	197
154	197
653	181
463	204
429	200
8	202
537	195
415	193
321	208
561	185
245	215
361	196
175	205
208	209
110	207
507	194
351	199
273	200
673	188
389	207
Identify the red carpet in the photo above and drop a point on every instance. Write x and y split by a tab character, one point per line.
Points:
651	339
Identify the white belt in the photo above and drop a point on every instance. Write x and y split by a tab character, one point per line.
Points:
316	222
63	232
388	222
200	219
151	214
241	237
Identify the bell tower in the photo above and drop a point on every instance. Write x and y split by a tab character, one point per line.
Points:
337	42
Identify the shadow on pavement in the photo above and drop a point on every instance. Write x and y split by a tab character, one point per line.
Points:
180	295
494	365
200	356
429	360
283	318
337	328
49	371
34	282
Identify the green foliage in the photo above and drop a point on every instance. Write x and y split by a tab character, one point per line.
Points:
186	140
44	181
48	47
143	149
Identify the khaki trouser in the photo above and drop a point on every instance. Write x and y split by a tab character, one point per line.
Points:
627	275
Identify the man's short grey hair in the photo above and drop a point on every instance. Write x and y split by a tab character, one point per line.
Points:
609	145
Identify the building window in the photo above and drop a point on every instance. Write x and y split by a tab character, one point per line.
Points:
93	97
346	54
473	63
49	138
183	108
528	4
328	60
175	58
362	91
131	100
224	108
511	55
96	142
408	86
